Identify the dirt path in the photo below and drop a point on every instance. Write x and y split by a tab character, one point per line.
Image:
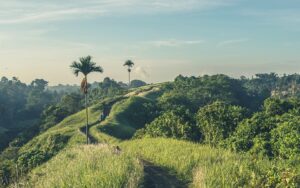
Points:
154	176
157	177
91	139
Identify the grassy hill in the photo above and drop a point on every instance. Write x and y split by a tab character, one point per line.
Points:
126	117
128	114
193	164
64	135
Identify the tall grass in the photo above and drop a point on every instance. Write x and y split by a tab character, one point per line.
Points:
68	127
88	166
48	144
126	117
203	166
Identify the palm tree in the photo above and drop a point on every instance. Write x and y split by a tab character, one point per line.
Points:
129	65
85	66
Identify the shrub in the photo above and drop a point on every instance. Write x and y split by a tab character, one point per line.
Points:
218	121
168	125
286	138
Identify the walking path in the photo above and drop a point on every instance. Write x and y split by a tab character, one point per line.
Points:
154	176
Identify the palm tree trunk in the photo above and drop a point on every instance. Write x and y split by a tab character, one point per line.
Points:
129	83
87	113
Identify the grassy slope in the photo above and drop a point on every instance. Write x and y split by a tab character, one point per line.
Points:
104	168
118	126
65	134
202	165
88	166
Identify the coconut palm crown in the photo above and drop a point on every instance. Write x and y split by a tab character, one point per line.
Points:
85	66
129	65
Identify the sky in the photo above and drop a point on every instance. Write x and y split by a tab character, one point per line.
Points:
165	38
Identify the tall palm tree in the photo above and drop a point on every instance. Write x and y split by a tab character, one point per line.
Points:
129	65
85	66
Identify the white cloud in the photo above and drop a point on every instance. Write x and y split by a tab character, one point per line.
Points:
19	11
174	43
231	42
141	72
50	15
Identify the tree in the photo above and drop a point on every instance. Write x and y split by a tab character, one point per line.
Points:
39	84
85	66
218	121
168	125
137	83
273	132
285	138
129	65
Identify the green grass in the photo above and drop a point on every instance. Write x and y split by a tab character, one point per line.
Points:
125	118
46	145
88	166
203	166
102	137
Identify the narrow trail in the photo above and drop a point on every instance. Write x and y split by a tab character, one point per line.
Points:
91	139
154	176
157	177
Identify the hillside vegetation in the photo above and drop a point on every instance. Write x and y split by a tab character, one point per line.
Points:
210	131
46	145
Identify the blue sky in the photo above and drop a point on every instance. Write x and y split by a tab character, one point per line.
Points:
39	38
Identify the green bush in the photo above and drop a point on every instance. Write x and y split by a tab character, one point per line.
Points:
286	138
273	132
218	121
42	151
168	125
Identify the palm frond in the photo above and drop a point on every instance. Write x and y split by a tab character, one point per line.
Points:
76	67
85	66
129	63
98	69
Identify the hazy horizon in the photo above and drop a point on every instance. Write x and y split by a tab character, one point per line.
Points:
40	39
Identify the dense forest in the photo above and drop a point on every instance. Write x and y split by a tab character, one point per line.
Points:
259	116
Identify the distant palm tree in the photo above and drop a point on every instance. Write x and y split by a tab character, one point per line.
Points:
85	66
129	65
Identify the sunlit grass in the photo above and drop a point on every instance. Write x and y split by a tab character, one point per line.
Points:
68	127
88	166
202	166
